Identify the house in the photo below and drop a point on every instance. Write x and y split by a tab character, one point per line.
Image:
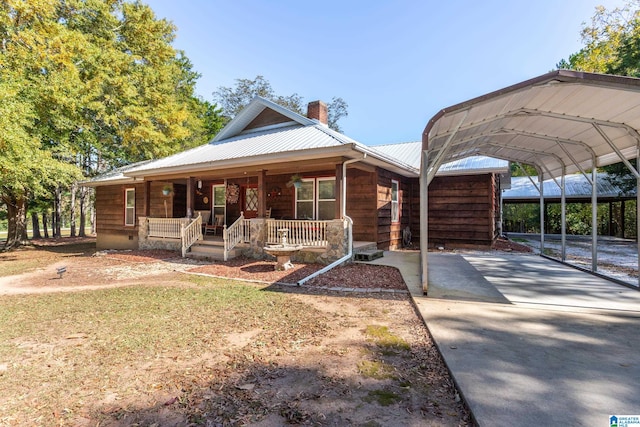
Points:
270	169
464	198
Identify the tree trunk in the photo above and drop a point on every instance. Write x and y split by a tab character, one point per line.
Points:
83	213
72	210
44	225
57	232
92	209
17	225
36	225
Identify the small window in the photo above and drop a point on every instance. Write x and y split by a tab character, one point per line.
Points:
130	207
395	208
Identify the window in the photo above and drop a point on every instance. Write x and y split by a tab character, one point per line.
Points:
251	199
316	199
395	211
130	207
326	198
304	199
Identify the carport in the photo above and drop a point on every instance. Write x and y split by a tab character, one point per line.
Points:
562	122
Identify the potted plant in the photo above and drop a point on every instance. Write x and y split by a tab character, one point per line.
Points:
295	180
167	189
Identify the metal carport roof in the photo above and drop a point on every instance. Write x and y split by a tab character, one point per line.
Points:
561	122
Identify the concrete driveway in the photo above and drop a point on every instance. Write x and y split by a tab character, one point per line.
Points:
529	341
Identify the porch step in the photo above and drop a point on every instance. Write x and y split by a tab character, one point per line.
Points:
369	255
209	250
359	246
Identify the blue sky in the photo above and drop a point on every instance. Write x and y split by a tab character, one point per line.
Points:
396	63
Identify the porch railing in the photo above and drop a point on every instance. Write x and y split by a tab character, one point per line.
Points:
166	227
190	233
233	235
301	232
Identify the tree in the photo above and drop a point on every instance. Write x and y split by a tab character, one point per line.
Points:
91	85
233	100
31	61
611	46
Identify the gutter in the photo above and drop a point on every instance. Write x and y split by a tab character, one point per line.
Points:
343	210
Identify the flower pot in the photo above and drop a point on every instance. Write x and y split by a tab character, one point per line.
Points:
166	191
297	184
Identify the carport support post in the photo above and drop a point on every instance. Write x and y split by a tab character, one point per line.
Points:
563	216
424	222
637	208
541	190
594	218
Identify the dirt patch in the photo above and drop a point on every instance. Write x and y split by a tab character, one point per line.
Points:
329	372
506	245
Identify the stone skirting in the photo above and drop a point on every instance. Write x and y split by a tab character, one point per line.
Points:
146	242
336	237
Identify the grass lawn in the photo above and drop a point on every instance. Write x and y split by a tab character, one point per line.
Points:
63	356
167	348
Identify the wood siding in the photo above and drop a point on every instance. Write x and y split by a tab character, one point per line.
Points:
462	211
389	234
361	204
266	118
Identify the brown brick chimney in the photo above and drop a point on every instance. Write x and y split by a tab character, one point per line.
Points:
318	110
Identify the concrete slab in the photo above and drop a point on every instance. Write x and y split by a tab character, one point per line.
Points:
562	350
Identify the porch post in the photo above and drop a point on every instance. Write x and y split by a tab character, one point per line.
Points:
190	198
262	195
339	195
147	199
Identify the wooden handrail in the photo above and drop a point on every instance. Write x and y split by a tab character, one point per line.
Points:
233	235
190	233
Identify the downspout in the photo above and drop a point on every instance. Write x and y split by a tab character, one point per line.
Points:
343	212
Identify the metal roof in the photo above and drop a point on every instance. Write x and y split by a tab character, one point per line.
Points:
473	165
279	140
115	176
576	187
561	122
295	140
409	152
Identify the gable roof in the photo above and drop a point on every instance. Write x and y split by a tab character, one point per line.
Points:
293	138
253	110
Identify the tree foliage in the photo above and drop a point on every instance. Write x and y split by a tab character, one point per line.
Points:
611	46
233	99
87	85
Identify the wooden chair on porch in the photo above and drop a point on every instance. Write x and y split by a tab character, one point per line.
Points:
205	219
218	224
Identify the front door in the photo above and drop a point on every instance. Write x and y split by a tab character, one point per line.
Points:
250	201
